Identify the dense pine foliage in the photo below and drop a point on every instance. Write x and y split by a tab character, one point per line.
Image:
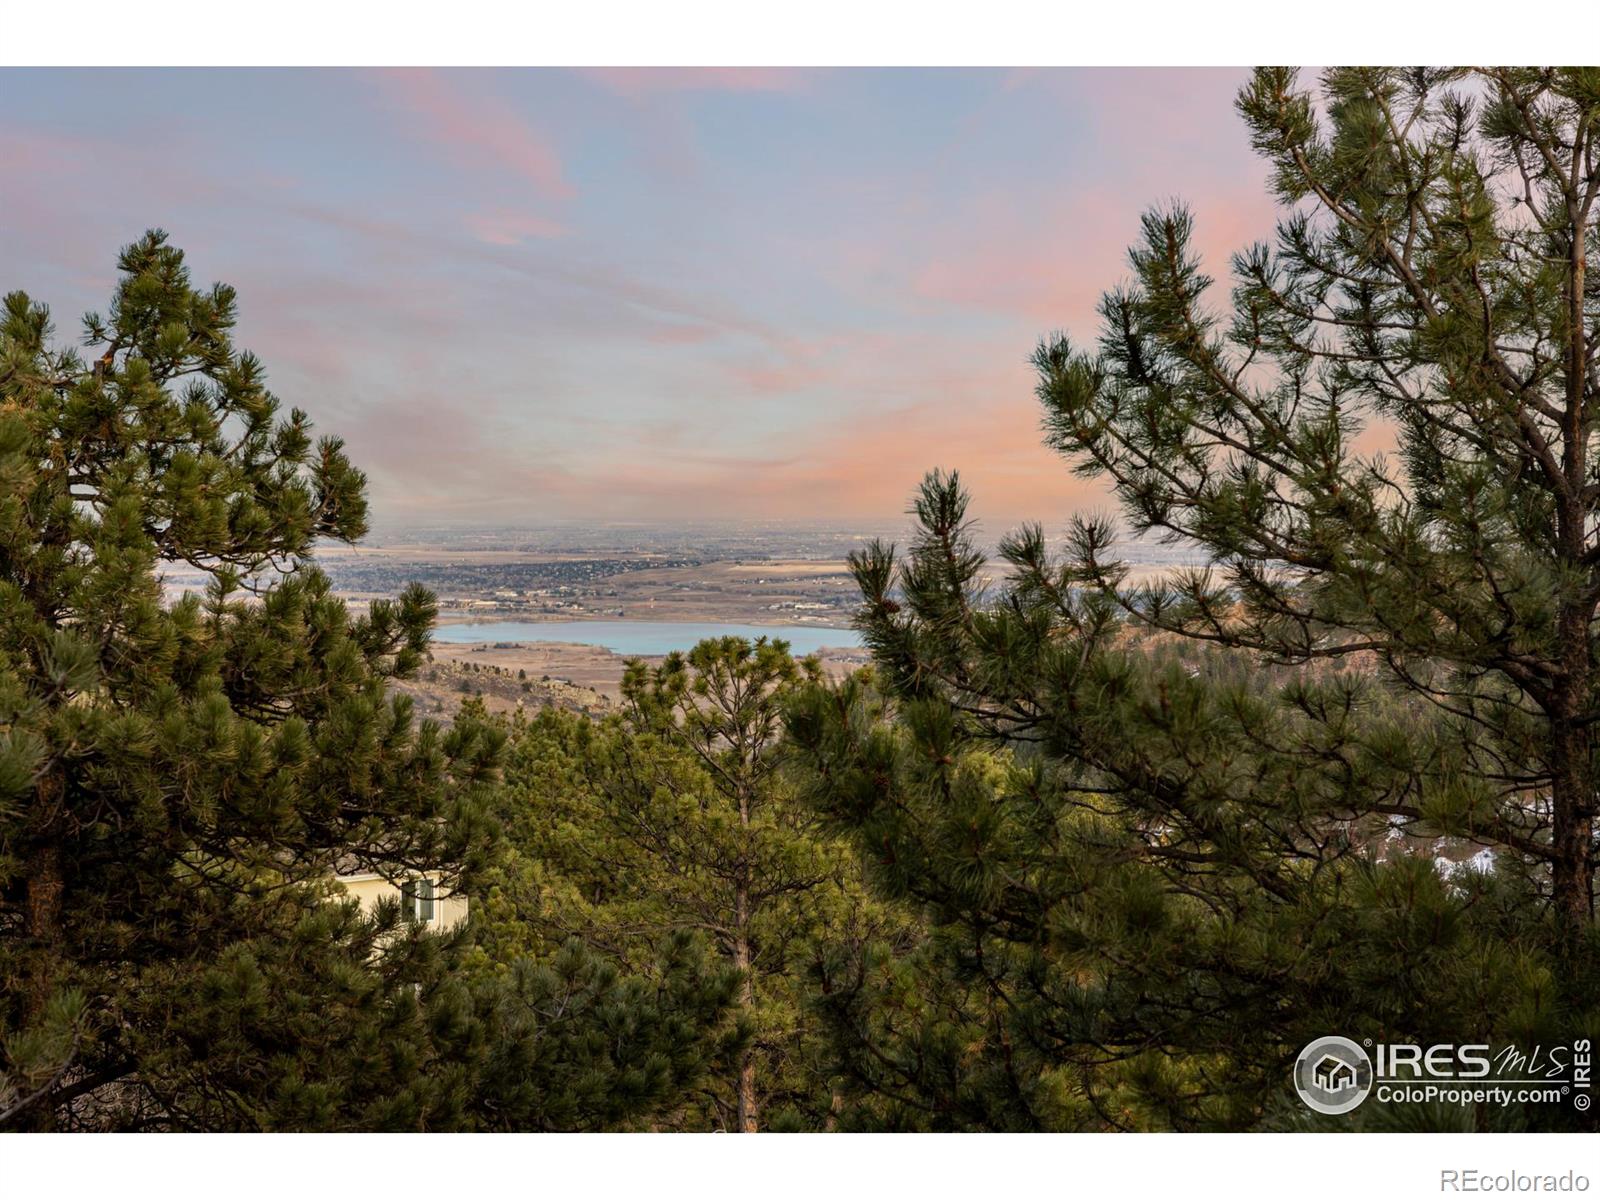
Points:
676	815
1080	850
1150	885
180	782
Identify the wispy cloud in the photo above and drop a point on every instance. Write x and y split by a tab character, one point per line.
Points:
508	227
645	81
459	114
522	295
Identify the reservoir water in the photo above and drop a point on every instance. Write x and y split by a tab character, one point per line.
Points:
641	637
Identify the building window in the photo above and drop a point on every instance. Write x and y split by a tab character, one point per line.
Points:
424	889
416	899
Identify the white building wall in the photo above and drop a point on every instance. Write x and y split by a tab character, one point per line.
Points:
449	908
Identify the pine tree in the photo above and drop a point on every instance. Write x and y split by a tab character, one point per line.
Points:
181	778
1436	282
674	815
1157	879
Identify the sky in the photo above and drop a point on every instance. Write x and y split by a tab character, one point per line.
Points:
538	296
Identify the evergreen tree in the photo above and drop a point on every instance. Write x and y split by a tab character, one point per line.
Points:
673	815
180	781
1435	281
1158	880
572	1042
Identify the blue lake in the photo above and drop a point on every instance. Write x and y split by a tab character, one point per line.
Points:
641	637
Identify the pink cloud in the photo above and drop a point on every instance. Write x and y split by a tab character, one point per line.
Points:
477	128
508	227
681	335
1051	263
866	469
882	410
875	330
780	378
972	412
644	81
612	296
664	135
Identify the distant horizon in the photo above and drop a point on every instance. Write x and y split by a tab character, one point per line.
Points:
390	528
602	537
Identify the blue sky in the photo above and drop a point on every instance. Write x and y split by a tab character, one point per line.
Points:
535	295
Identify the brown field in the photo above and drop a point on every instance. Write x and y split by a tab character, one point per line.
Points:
820	569
495	585
590	668
529	676
772	593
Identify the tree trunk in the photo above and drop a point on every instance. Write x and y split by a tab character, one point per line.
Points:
41	917
1572	792
42	909
749	1106
749	1114
1572	834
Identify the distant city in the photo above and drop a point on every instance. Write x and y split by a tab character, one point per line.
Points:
736	572
732	571
537	615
